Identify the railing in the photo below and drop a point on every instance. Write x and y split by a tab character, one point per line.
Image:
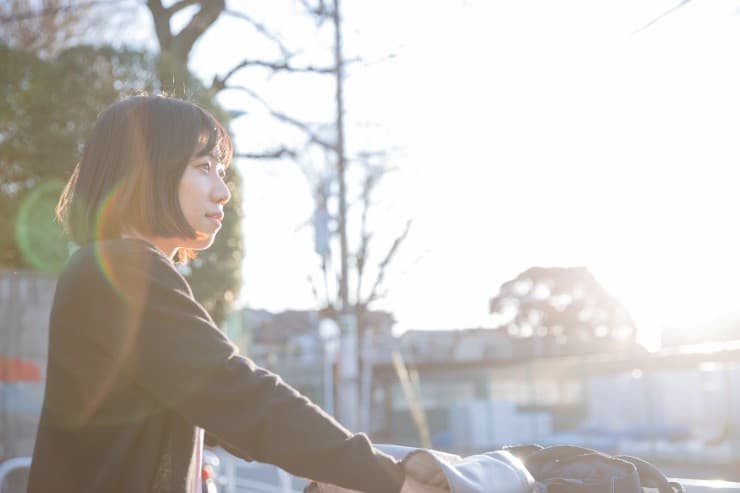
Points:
11	465
708	485
238	478
250	477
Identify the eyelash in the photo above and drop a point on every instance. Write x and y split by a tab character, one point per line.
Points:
207	168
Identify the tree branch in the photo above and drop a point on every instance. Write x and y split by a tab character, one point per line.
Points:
325	265
261	29
386	261
303	126
314	291
275	66
161	22
321	11
179	5
371	179
276	153
361	260
653	21
201	21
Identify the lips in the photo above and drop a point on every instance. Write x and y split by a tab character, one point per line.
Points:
216	218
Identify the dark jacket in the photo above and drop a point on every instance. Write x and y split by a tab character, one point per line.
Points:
135	364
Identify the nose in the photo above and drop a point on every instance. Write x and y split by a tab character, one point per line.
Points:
220	192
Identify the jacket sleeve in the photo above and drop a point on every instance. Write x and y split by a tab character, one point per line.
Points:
177	354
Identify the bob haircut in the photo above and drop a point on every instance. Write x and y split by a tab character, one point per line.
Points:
128	177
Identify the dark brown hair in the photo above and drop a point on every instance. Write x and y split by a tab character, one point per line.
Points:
131	167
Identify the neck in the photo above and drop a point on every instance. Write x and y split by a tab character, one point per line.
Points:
165	245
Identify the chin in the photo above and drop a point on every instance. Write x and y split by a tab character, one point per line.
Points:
202	242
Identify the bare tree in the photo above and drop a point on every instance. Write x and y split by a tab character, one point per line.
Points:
179	46
561	310
368	261
46	27
322	142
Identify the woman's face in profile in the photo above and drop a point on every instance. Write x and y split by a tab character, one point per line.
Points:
202	194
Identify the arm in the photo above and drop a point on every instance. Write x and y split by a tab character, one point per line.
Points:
209	440
177	355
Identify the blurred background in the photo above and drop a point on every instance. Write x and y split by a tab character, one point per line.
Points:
460	224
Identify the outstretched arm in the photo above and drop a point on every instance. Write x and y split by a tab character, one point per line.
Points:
168	344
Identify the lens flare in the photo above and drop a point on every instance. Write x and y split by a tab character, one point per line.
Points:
118	345
107	213
40	239
113	343
128	274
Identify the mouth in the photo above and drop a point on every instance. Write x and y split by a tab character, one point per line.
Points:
216	218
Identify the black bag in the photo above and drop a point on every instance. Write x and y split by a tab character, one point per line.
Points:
570	469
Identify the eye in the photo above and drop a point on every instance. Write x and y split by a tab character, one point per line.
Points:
222	173
205	167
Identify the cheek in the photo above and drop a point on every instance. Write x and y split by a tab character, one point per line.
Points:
187	207
188	193
191	213
182	197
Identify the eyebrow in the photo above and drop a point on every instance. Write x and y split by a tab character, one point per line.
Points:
209	155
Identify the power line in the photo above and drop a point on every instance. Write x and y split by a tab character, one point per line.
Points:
661	16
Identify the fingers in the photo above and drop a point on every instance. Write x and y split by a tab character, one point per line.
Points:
315	487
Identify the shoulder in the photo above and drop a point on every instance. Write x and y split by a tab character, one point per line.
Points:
127	265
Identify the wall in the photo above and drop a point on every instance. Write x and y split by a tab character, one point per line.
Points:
25	302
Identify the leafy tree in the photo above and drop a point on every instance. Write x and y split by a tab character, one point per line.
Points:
563	309
47	112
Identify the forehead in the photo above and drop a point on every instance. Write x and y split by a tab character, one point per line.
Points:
212	156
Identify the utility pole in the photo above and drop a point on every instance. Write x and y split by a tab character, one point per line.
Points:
348	374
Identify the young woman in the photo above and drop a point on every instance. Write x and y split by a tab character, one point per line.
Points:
137	369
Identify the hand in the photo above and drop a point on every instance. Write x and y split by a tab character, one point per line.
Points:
411	485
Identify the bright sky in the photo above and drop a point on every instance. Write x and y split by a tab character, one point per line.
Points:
527	132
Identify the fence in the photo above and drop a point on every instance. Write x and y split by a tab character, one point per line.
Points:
11	467
240	476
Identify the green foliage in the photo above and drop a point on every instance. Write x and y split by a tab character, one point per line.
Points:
50	107
47	111
38	235
176	80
